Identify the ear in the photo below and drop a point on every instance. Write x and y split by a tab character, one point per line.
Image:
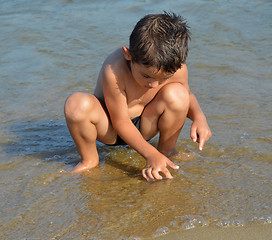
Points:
126	53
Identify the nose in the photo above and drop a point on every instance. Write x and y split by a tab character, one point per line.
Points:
153	84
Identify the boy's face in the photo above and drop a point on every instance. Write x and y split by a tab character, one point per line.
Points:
148	77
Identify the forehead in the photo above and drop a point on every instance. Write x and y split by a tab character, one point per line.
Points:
153	71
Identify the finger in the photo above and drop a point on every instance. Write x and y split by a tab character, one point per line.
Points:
167	173
144	174
201	144
156	175
193	134
172	165
149	173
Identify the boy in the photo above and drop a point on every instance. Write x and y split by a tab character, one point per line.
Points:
141	90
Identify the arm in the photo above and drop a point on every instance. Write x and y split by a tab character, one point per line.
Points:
200	131
116	102
155	161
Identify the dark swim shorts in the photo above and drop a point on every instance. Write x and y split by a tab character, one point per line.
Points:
137	123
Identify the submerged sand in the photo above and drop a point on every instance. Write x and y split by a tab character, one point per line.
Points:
252	232
53	49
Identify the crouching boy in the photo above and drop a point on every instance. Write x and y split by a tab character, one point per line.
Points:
140	91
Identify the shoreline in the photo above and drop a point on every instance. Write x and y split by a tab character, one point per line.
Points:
252	232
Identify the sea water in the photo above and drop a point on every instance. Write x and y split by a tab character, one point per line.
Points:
50	49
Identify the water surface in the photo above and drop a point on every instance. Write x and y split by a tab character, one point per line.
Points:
50	50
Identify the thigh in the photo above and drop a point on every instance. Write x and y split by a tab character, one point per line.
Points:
100	118
150	117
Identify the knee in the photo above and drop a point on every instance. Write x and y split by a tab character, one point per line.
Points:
176	97
78	106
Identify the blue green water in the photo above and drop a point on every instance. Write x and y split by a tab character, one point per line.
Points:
50	49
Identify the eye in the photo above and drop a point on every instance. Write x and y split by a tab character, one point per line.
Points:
146	76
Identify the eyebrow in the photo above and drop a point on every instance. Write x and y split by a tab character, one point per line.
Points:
147	75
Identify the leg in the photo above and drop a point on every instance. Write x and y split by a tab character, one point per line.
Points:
87	122
166	113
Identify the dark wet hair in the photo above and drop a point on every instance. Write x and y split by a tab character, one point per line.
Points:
161	41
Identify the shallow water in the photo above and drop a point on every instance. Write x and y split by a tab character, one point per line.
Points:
50	50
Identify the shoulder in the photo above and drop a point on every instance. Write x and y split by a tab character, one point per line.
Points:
113	74
114	66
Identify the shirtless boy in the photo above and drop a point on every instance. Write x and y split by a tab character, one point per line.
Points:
141	90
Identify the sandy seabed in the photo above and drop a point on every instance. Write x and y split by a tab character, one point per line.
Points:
253	232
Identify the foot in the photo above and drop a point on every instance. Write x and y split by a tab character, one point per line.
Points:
83	167
169	154
173	153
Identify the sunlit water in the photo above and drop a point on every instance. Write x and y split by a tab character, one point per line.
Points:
50	49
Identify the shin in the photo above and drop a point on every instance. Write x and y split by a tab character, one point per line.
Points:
171	121
79	114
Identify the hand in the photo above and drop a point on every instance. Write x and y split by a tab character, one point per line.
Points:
200	132
158	163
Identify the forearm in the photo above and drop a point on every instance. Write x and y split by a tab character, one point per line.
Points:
194	111
132	136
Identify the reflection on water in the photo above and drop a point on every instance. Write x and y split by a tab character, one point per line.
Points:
49	51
